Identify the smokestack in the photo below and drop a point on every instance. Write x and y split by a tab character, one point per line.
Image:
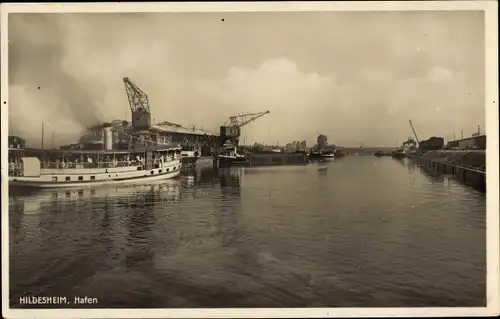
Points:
478	130
462	134
43	133
108	137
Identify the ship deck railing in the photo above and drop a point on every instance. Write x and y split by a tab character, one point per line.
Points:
58	168
87	165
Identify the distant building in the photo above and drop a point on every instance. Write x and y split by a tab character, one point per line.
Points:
16	142
433	143
478	141
168	133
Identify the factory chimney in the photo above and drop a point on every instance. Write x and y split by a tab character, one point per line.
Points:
108	137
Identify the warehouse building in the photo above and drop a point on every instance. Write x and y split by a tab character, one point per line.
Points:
478	142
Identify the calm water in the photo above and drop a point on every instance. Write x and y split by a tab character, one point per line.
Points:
360	231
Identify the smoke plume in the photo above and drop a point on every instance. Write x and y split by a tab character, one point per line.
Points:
41	89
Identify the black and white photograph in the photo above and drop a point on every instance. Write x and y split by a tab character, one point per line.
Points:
279	159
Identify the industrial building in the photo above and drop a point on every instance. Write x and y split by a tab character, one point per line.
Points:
142	128
478	142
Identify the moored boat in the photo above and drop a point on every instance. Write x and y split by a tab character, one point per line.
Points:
323	155
399	154
328	155
190	157
56	168
231	157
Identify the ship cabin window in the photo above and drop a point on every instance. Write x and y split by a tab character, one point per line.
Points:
168	170
152	172
68	178
54	179
80	178
92	178
160	171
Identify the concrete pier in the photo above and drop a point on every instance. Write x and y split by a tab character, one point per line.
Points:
469	167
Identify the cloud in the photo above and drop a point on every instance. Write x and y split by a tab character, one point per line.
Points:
314	77
440	74
296	99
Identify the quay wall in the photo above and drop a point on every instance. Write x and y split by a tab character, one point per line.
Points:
469	167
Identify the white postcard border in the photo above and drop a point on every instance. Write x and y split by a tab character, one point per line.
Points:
492	130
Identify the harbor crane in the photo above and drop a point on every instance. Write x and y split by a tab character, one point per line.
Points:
231	130
414	133
139	105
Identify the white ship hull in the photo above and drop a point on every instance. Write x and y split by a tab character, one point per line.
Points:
97	178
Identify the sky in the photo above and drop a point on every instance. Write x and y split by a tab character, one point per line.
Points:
357	77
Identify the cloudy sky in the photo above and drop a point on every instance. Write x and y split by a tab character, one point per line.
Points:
354	76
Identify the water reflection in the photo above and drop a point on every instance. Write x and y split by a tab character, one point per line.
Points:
141	219
16	220
328	236
230	180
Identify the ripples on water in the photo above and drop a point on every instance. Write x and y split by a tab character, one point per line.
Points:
358	232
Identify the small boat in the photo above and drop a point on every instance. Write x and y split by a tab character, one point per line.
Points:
231	157
328	154
399	154
314	155
322	155
58	168
190	157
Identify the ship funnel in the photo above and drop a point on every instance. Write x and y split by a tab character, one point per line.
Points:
108	137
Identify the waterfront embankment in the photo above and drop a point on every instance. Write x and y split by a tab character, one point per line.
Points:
469	167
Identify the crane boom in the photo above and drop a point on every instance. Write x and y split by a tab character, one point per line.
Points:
232	128
137	99
240	120
414	133
139	105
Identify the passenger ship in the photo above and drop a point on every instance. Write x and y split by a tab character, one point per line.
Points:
38	168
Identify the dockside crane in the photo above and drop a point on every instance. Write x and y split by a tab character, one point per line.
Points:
231	130
139	105
414	133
